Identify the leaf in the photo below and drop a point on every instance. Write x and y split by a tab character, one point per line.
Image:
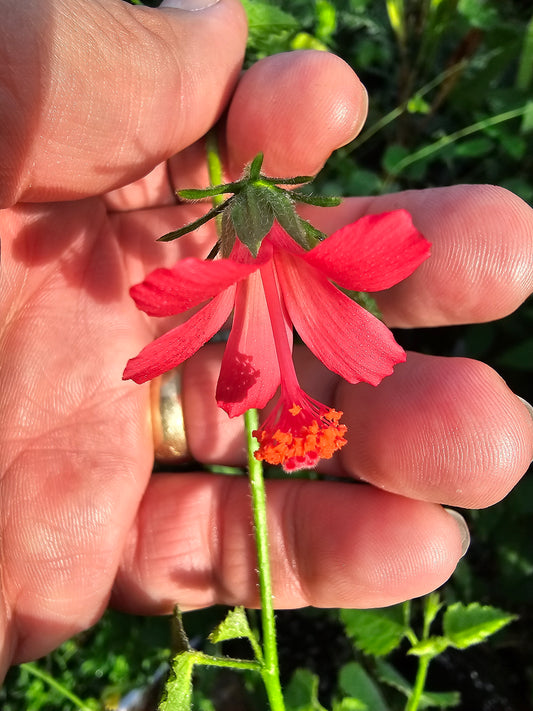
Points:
474	147
350	704
394	154
418	105
431	647
357	683
301	693
178	689
234	626
375	632
326	16
472	624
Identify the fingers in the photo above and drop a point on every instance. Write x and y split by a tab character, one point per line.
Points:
297	108
481	262
131	86
445	430
331	545
440	429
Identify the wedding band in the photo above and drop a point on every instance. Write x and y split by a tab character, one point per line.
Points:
168	426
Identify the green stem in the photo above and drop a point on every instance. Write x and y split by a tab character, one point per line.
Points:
420	683
214	165
32	668
427	151
270	670
399	110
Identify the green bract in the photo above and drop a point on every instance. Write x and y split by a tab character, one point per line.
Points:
256	201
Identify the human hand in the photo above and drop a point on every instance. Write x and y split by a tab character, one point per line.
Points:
80	514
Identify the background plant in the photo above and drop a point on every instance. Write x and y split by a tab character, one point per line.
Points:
450	83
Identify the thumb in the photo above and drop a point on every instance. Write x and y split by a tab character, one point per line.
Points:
94	93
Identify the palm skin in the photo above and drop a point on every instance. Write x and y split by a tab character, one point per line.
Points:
82	521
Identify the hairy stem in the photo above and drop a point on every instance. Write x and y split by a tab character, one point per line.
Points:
270	670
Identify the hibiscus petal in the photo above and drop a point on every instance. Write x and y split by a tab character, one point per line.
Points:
343	335
250	373
171	349
373	253
190	282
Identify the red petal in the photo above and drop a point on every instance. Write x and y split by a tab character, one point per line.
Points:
373	253
343	335
249	374
190	282
181	342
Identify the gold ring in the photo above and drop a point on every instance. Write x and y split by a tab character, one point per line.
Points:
168	426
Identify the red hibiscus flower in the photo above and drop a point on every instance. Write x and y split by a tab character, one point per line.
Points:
285	286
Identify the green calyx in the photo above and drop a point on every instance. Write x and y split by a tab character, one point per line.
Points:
256	201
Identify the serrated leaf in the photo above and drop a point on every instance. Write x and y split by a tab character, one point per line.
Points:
358	684
375	632
234	626
431	647
178	689
465	626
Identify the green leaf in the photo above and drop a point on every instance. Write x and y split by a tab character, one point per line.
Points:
474	147
432	607
349	704
234	626
472	624
418	105
178	689
301	693
356	683
393	155
303	40
326	16
431	647
375	632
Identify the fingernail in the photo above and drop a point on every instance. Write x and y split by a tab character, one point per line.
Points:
190	5
526	403
465	533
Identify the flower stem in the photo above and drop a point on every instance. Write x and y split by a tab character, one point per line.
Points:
419	685
270	670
